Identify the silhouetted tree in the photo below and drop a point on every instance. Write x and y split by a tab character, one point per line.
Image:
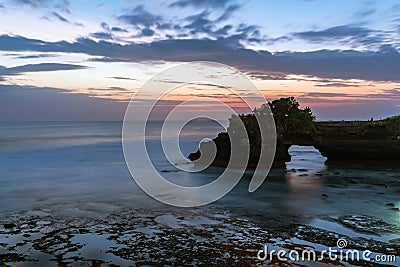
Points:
290	120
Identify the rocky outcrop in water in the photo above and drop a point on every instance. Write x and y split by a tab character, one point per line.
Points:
358	142
348	142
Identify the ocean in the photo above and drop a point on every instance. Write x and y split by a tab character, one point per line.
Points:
75	171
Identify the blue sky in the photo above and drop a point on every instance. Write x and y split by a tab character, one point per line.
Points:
339	57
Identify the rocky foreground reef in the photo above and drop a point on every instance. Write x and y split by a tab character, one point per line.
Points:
341	142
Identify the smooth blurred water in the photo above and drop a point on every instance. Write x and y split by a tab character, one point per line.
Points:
78	168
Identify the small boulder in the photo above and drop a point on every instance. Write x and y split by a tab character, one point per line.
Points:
9	225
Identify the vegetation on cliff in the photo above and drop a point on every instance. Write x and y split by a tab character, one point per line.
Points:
290	119
393	122
291	122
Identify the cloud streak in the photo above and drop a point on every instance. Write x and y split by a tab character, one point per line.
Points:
39	68
343	34
61	5
220	4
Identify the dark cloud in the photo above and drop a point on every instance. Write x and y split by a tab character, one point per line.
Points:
334	32
111	89
209	23
201	24
323	94
59	17
107	33
140	17
147	32
220	4
346	34
263	75
43	55
380	65
105	26
224	30
109	59
33	3
118	88
228	12
61	5
117	29
337	84
122	78
102	35
38	68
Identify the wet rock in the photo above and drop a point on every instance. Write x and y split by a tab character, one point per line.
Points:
367	224
302	170
214	238
323	195
389	205
337	185
83	231
9	225
12	257
380	184
169	171
395	241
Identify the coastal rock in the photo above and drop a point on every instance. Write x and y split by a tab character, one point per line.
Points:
9	225
341	142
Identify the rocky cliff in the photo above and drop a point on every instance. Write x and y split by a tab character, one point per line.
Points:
340	141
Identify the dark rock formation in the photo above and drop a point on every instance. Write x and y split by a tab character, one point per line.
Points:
342	142
358	142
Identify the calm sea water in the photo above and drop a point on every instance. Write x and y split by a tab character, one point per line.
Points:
78	169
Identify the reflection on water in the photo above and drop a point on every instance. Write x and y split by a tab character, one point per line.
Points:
306	158
304	176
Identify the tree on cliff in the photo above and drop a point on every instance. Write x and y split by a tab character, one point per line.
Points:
291	123
290	120
393	122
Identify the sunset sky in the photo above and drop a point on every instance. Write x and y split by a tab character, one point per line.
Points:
83	60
